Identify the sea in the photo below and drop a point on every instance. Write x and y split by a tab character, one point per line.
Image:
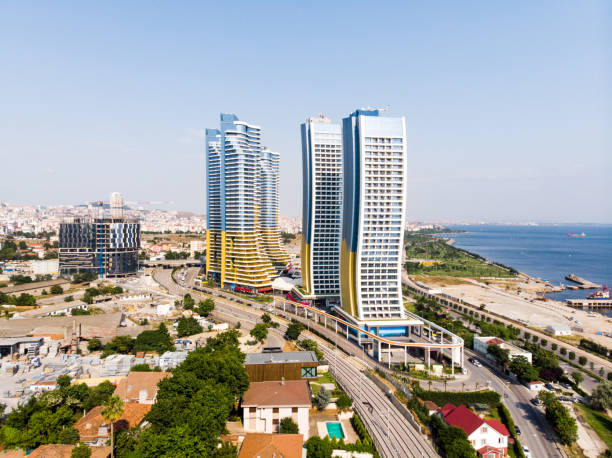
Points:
544	252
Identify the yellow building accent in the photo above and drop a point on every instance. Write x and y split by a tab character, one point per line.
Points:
348	286
223	236
305	255
207	250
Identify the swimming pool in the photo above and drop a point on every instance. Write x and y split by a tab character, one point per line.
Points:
334	429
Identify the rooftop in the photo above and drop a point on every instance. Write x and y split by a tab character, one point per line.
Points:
467	420
88	425
260	445
279	358
57	325
65	451
294	393
130	387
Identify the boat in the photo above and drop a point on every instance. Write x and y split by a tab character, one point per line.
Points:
603	293
577	235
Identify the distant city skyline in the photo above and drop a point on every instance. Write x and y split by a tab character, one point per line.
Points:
507	107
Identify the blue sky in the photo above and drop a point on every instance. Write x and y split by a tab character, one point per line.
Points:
508	105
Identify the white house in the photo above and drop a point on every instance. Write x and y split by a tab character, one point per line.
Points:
265	404
559	330
481	344
535	385
488	437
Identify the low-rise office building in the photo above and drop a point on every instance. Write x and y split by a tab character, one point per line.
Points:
481	344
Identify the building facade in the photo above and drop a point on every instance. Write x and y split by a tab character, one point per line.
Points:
243	242
105	246
322	208
374	204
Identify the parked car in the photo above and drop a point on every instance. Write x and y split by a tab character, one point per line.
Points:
526	451
535	401
566	385
549	387
518	430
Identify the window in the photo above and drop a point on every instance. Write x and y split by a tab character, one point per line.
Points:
275	410
294	409
309	372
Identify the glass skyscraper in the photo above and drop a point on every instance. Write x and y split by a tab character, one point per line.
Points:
243	241
322	208
373	217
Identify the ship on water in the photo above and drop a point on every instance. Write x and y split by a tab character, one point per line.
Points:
603	293
577	235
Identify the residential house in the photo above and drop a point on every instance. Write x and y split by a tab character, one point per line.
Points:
94	430
488	437
258	445
140	387
265	404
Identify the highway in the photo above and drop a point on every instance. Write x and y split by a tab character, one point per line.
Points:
393	435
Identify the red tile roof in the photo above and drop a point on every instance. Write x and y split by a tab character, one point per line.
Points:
88	425
129	388
65	451
293	393
484	451
495	341
464	418
468	421
259	445
498	426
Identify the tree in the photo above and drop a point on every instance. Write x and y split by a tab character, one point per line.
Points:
311	345
56	289
523	369
205	307
188	301
601	398
68	436
563	351
259	331
554	347
188	327
266	318
288	426
94	344
318	448
344	402
501	355
559	417
80	451
322	398
571	356
158	340
141	368
578	377
23	245
294	330
68	298
582	360
111	412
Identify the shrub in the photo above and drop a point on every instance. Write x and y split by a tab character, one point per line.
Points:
534	338
344	402
543	342
56	289
322	399
288	426
554	347
571	356
68	298
563	351
477	397
582	360
94	345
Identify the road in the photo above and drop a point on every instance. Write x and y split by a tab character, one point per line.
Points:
393	435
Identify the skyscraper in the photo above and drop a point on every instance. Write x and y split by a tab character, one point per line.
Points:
373	216
242	215
322	208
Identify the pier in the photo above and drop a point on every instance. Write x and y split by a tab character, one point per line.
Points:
583	284
589	303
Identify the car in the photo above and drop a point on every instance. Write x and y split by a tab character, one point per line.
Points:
518	430
566	385
477	363
526	451
535	401
549	387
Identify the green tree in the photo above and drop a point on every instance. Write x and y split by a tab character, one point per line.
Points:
111	412
188	301
259	331
318	448
582	360
205	307
266	318
94	344
119	344
559	417
158	340
23	245
601	397
188	327
501	355
68	436
578	377
571	355
80	451
69	299
141	368
311	345
523	369
322	399
288	426
294	330
56	289
344	402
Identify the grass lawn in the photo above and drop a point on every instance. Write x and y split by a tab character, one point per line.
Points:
600	422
